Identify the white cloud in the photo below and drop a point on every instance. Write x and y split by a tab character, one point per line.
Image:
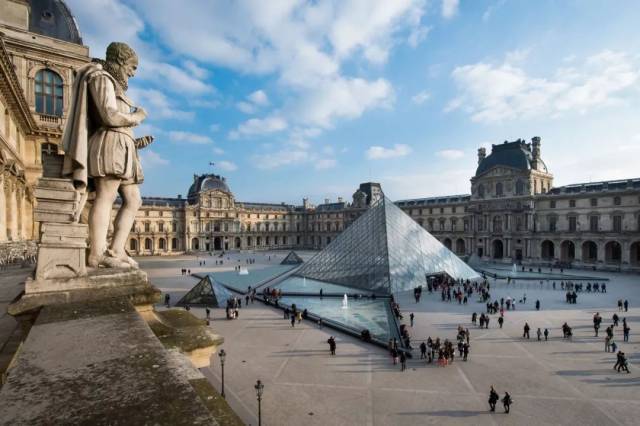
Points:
188	137
259	126
450	154
158	105
418	35
151	158
450	8
491	9
381	153
304	43
281	158
215	127
181	81
227	166
494	93
246	107
218	151
325	163
259	97
196	70
421	97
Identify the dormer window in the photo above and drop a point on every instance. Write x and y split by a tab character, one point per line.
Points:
48	91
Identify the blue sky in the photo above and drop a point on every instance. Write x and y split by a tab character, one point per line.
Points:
295	98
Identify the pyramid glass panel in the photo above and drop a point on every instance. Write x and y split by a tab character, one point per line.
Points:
292	259
206	293
384	251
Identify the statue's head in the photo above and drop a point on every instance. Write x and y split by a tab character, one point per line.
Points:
122	60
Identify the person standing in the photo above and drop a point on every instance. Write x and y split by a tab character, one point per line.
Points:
208	312
403	361
423	350
625	330
537	305
546	334
626	305
507	401
332	344
500	320
526	331
493	398
411	318
539	334
167	300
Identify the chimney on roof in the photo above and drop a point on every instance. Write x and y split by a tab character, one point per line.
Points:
326	201
482	153
339	199
179	196
535	151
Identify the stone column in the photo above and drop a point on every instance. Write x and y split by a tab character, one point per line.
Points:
10	196
20	213
3	209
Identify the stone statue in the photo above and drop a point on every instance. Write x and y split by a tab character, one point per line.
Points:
101	153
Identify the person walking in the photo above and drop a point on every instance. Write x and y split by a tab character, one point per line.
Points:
546	334
493	398
332	345
615	319
403	361
526	331
423	350
293	320
626	305
537	305
507	401
539	334
625	331
411	318
621	362
208	312
500	320
167	300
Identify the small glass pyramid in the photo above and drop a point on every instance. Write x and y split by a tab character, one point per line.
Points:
292	259
207	292
384	251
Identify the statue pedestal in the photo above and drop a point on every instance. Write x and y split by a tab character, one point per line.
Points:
62	251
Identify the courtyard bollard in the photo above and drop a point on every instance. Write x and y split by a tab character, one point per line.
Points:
222	354
259	389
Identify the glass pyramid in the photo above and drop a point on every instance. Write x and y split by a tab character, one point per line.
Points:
206	293
292	259
384	251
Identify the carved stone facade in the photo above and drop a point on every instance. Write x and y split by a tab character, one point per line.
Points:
514	214
39	48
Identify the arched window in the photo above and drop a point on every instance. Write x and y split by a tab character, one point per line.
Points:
133	245
519	187
161	243
148	244
481	191
499	191
48	93
174	244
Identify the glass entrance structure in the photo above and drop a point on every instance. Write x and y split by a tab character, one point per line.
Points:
384	251
208	293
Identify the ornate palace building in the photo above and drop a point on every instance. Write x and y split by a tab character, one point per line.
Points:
39	47
514	213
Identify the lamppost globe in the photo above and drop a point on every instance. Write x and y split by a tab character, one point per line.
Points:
222	354
259	389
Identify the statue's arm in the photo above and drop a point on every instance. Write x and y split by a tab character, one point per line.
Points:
104	96
143	142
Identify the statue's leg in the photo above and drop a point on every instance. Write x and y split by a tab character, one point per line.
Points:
99	217
131	202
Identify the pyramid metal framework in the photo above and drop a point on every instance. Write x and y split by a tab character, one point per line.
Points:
206	293
384	251
292	259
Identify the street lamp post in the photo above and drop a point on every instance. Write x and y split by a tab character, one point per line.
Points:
259	388
222	354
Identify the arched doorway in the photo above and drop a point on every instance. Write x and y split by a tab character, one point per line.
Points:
174	244
589	252
133	244
498	249
238	243
567	251
634	257
162	244
249	241
258	241
613	252
217	243
547	250
460	249
148	244
195	244
447	243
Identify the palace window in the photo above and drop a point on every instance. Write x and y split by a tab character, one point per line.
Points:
161	226
616	201
481	191
499	191
48	93
552	204
593	223
573	224
552	223
572	203
147	227
594	202
519	187
617	223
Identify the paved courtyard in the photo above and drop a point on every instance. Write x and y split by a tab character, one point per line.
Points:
554	382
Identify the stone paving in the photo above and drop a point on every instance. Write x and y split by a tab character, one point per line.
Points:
555	382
